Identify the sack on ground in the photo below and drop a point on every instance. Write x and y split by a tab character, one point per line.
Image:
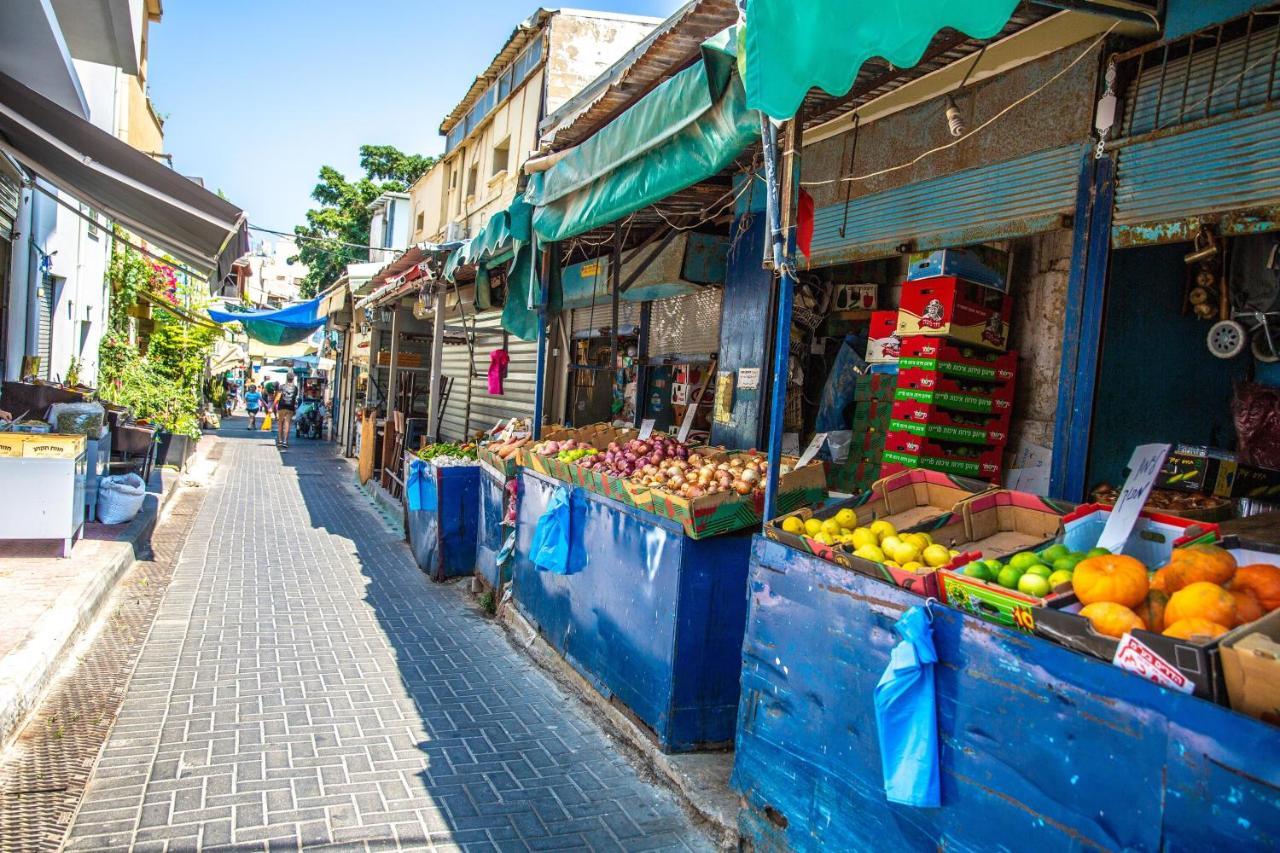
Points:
120	497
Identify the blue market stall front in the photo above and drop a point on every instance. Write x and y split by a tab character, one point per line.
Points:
441	507
493	566
649	616
1035	741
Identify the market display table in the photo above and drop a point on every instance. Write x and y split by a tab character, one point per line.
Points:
490	533
649	616
442	532
1037	742
45	489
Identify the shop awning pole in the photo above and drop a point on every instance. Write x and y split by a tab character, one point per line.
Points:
549	267
782	328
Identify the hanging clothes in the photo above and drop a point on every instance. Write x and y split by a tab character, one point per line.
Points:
498	361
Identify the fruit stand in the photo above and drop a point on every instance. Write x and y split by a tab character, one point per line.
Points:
1036	740
646	601
442	483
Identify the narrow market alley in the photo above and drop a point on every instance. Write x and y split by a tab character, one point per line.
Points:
305	684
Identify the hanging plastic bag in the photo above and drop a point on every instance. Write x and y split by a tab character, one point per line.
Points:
842	380
907	717
266	422
77	418
120	497
549	548
420	488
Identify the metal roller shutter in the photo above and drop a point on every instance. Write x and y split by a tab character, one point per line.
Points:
10	200
518	389
600	316
455	363
685	325
1016	198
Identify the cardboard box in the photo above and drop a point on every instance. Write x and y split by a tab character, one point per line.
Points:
967	460
883	343
53	446
913	501
936	382
934	422
875	386
1217	472
996	525
11	444
872	414
959	362
952	308
982	265
1250	658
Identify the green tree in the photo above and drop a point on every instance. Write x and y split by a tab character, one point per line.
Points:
342	217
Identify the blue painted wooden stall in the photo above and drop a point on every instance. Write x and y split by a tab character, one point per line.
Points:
443	535
490	533
1042	748
653	619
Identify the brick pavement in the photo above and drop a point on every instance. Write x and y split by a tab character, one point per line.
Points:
305	685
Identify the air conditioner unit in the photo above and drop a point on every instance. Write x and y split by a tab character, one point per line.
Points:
455	231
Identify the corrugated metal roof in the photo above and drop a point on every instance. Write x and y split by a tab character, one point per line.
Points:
528	29
668	49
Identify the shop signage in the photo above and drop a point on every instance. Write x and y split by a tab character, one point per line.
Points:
748	378
1144	467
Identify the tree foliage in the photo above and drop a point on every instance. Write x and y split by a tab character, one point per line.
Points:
343	217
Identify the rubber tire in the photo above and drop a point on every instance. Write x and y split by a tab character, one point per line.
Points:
1258	345
1226	339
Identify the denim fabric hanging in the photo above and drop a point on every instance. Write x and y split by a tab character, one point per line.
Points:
420	487
906	714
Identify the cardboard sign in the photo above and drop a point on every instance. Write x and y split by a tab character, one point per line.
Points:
498	426
748	378
812	450
1144	467
646	429
687	423
1137	657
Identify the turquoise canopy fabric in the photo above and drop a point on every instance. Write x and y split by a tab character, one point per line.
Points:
281	327
686	130
791	47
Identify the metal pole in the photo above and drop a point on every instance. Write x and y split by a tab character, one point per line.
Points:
782	329
392	383
437	353
549	265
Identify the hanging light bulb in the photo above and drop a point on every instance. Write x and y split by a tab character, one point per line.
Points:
955	121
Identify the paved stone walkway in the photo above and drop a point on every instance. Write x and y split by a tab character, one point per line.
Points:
305	685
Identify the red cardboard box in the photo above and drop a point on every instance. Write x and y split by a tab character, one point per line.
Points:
933	388
882	338
930	421
911	451
950	307
959	361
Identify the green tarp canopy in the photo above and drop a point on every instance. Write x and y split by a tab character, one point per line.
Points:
508	233
791	47
687	129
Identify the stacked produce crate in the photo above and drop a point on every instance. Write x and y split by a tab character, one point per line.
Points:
954	395
873	408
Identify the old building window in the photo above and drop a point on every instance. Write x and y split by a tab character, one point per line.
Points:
501	157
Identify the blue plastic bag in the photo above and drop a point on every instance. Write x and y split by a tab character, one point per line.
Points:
420	488
553	546
837	394
907	716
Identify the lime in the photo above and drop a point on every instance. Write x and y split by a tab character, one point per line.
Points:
1097	552
1030	584
978	569
1054	552
994	566
1067	563
1060	577
1024	560
1008	577
1039	569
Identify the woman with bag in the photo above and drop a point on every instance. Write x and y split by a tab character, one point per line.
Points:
252	402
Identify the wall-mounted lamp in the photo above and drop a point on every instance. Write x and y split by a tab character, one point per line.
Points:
955	121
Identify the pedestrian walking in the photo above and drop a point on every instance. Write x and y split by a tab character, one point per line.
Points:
286	402
252	403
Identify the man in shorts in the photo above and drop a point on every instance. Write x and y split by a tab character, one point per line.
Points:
286	405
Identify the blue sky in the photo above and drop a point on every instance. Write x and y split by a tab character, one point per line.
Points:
257	94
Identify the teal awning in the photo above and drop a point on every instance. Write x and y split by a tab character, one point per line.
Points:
792	47
686	130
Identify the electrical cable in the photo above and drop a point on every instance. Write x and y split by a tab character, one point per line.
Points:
981	127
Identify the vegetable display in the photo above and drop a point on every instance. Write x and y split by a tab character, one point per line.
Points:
446	453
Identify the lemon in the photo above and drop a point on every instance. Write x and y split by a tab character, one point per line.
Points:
847	518
882	529
831	528
791	524
862	536
912	567
927	538
918	539
888	543
937	555
825	538
892	563
904	552
870	552
812	526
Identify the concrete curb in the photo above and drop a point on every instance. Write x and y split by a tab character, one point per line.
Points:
700	780
27	672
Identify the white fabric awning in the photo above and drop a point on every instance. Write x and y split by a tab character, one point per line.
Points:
194	225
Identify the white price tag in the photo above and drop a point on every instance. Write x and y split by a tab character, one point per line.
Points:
687	423
1143	467
1137	657
812	450
646	429
748	378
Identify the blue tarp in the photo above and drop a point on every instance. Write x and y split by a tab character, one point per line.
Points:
287	325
